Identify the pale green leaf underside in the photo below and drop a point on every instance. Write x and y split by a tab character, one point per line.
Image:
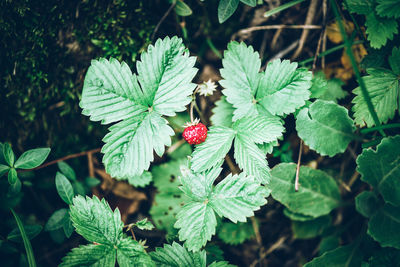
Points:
383	88
197	223
176	255
90	255
384	226
95	221
325	127
237	197
318	192
222	113
381	168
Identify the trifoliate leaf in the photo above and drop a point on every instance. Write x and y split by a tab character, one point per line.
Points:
67	170
283	88
212	152
296	216
144	224
235	233
12	176
131	253
176	255
349	255
379	30
3	169
32	158
381	168
90	255
226	8
56	220
251	159
64	188
140	180
388	8
325	127
130	144
112	93
383	226
311	228
394	60
367	203
222	113
197	223
267	148
169	199
318	192
95	221
237	197
383	88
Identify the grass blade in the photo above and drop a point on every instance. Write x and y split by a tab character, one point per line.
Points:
282	7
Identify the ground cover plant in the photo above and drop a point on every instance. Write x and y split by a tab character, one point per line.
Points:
211	153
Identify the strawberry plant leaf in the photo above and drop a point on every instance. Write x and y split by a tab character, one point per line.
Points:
388	8
380	30
64	188
32	158
361	7
131	253
235	233
237	197
197	223
176	255
111	93
325	127
367	203
383	226
383	88
381	169
327	89
222	113
212	152
140	180
95	221
296	216
90	255
318	192
221	264
394	60
312	228
144	224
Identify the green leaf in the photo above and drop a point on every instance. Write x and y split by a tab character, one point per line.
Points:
212	152
383	226
388	8
326	89
346	256
90	255
144	224
112	93
362	7
226	8
12	176
141	180
221	264
381	168
67	226
235	233
8	154
56	220
328	243
3	169
319	85
64	188
31	232
311	228
394	60
318	192
385	257
222	113
383	88
182	9
32	158
237	197
67	170
240	73
379	30
325	127
296	216
95	221
131	253
92	182
283	88
176	255
130	144
251	3
197	223
367	203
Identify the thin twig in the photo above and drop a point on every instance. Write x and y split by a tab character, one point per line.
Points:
80	154
162	20
277	27
258	237
271	249
191	110
296	182
175	146
324	12
231	165
90	164
133	234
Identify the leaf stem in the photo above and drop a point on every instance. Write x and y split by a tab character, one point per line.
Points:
387	126
296	181
355	67
27	243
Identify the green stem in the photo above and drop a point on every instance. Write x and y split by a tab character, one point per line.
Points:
282	7
355	67
213	48
27	243
387	126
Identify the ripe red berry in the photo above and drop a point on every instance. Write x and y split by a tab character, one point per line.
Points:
195	134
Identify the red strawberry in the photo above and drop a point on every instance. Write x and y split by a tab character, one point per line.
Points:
195	133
